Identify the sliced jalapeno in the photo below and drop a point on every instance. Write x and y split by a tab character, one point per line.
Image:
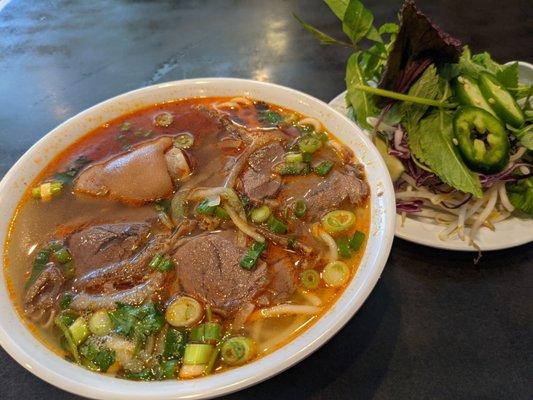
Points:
482	140
501	100
468	93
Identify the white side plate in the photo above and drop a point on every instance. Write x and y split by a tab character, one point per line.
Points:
509	233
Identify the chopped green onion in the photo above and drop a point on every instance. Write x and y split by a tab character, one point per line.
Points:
300	208
357	240
46	190
343	245
221	213
65	301
205	208
168	369
184	141
271	117
68	270
291	241
125	126
165	265
61	323
208	332
161	263
237	350
174	344
309	143
163	119
336	273
79	330
323	168
310	278
156	260
184	312
275	225
212	360
62	255
338	221
100	323
294	157
323	136
306	157
197	353
296	168
260	214
252	255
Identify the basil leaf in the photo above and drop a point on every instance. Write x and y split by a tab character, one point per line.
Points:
324	38
357	21
521	195
431	142
361	102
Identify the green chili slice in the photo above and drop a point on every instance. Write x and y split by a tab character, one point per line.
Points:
482	140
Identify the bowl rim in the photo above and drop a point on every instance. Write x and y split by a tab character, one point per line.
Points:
82	382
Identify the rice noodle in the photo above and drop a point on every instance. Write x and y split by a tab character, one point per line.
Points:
312	298
282	335
226	104
311	121
333	251
241	100
285	309
242	315
242	225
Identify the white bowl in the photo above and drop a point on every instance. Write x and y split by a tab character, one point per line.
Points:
16	339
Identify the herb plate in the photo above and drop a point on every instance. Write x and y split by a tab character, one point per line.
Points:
514	231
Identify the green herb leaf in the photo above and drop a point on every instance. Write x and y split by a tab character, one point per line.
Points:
521	195
137	322
357	21
338	7
431	142
507	75
427	86
322	37
360	101
174	344
525	136
388	28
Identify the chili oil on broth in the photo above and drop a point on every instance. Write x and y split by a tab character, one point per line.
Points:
36	223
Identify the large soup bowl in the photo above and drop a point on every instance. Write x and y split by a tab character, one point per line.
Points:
26	349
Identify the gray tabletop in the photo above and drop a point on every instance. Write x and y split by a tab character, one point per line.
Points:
436	326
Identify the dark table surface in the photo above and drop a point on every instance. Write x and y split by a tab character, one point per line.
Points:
436	326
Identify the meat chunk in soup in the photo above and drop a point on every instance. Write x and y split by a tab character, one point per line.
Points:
141	175
208	268
282	281
258	180
102	244
343	184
